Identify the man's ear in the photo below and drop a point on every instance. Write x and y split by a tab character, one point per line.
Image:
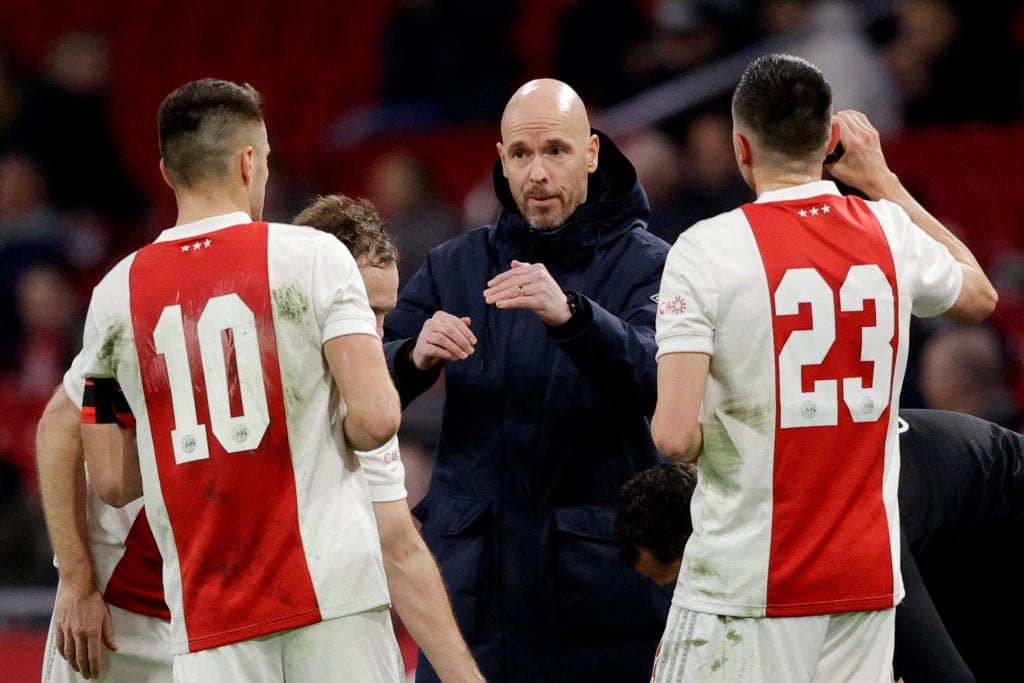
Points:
246	165
593	149
166	176
742	149
833	137
835	149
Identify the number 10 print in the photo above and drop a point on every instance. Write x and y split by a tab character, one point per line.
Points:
235	434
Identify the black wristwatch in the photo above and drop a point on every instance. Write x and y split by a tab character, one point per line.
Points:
575	305
580	315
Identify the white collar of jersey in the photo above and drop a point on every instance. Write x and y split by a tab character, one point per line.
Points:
815	188
204	226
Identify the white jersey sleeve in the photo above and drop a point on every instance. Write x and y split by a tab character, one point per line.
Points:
930	269
688	285
338	292
385	472
108	330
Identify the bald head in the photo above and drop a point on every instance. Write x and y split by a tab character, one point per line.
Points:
546	99
547	151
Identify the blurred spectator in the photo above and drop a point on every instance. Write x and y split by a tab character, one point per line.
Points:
946	54
831	35
50	318
404	190
27	558
38	307
12	102
707	180
1008	277
30	230
443	61
61	120
659	164
26	214
479	205
457	51
594	37
287	195
685	34
965	369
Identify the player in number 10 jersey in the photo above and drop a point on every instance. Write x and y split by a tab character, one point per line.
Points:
233	342
784	324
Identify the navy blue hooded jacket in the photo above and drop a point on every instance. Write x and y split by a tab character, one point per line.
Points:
541	427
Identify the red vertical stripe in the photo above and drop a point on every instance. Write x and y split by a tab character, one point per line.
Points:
137	583
830	538
234	515
231	363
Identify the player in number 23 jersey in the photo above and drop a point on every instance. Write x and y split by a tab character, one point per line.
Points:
782	343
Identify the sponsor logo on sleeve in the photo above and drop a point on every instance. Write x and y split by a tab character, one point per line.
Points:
675	306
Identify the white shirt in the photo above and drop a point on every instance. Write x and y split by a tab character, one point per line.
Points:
258	506
803	301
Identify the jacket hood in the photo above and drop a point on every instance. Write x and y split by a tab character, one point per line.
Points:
616	203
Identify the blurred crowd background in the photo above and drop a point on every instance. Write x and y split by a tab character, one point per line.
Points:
399	101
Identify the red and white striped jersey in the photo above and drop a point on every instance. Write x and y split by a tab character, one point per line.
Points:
803	301
129	569
259	508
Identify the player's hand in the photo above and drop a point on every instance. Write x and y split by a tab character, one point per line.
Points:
443	337
529	286
82	625
863	164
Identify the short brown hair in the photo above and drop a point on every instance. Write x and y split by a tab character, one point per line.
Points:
356	222
786	102
198	126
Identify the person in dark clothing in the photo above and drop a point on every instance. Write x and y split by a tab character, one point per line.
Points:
543	323
961	498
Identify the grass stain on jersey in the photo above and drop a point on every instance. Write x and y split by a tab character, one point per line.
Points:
292	397
290	303
754	415
114	341
721	460
698	568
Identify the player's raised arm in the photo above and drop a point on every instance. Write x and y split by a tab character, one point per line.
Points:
863	166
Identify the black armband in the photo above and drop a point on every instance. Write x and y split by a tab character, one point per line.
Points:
103	402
